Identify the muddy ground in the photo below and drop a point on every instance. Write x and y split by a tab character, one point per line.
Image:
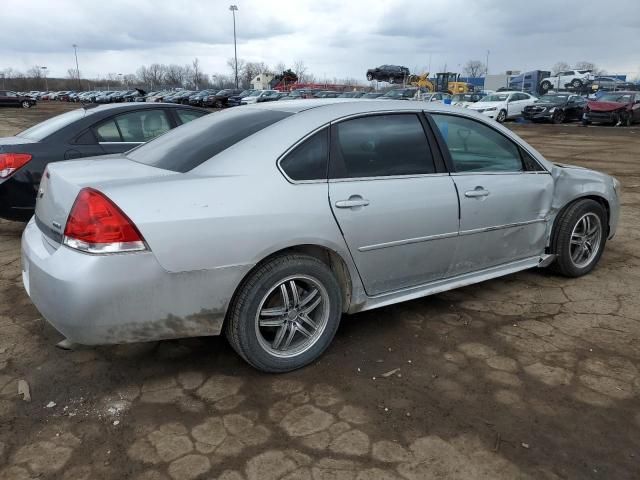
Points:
528	376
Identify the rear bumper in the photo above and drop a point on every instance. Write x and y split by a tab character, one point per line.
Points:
122	298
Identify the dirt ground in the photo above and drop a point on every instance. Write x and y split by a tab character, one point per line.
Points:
528	376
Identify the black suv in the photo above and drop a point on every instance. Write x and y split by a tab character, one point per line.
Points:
388	73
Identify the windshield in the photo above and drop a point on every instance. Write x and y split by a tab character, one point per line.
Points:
497	97
553	98
611	97
192	144
42	130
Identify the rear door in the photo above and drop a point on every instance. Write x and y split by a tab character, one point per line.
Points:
397	209
505	196
123	132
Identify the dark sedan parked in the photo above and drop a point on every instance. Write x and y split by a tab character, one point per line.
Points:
221	99
556	108
13	99
85	132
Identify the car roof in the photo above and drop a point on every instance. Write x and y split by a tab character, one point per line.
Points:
348	106
114	107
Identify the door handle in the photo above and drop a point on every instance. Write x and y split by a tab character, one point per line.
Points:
354	201
477	193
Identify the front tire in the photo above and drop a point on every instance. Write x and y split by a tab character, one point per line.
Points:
579	238
576	83
26	104
369	77
502	116
546	86
558	117
285	314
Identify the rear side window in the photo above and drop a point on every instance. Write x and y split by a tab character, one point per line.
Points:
475	147
188	146
309	160
186	116
380	146
108	132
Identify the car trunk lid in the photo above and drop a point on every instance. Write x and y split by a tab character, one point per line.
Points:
62	181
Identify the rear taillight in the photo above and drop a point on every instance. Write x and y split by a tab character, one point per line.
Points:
10	162
97	225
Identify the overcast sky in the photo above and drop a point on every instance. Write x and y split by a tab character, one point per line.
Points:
334	38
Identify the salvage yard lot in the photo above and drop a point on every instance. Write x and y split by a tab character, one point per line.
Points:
528	376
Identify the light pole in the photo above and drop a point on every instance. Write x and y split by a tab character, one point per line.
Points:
75	51
234	9
120	75
486	66
46	83
3	84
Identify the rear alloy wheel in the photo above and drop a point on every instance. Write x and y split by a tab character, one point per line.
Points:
579	237
26	104
576	83
285	314
502	116
369	76
546	86
558	116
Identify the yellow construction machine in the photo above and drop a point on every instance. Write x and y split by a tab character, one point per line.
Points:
445	82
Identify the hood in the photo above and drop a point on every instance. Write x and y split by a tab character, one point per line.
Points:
484	105
545	104
596	106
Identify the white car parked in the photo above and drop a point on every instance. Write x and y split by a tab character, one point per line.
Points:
503	105
568	78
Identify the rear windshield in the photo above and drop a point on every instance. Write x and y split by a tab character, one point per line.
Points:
188	146
42	130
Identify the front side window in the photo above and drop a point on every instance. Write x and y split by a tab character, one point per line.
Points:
379	146
308	161
475	147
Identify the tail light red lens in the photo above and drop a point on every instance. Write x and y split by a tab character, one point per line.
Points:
10	162
97	225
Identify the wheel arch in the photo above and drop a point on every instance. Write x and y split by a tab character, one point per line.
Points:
595	197
326	255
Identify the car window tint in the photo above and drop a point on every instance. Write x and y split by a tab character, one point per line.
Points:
475	147
308	161
108	132
381	145
186	116
143	125
190	145
44	129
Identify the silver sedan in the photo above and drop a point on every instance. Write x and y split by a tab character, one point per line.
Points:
269	222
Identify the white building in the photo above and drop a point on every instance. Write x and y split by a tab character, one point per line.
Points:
262	81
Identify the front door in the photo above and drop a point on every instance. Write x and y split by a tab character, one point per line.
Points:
505	196
398	214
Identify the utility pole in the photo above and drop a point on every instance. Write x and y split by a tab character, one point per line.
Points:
75	51
487	64
46	83
3	84
234	9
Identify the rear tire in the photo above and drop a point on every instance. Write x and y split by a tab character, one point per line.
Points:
369	76
576	83
546	86
579	237
279	331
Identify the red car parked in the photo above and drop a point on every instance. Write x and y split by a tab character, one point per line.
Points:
616	108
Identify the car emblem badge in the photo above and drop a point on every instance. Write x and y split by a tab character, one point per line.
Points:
57	225
40	193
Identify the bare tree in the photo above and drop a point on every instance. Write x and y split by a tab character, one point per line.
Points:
475	69
300	69
175	76
559	67
35	72
584	65
196	77
279	68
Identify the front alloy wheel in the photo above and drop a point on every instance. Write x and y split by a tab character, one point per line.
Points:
26	104
579	236
285	313
502	116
